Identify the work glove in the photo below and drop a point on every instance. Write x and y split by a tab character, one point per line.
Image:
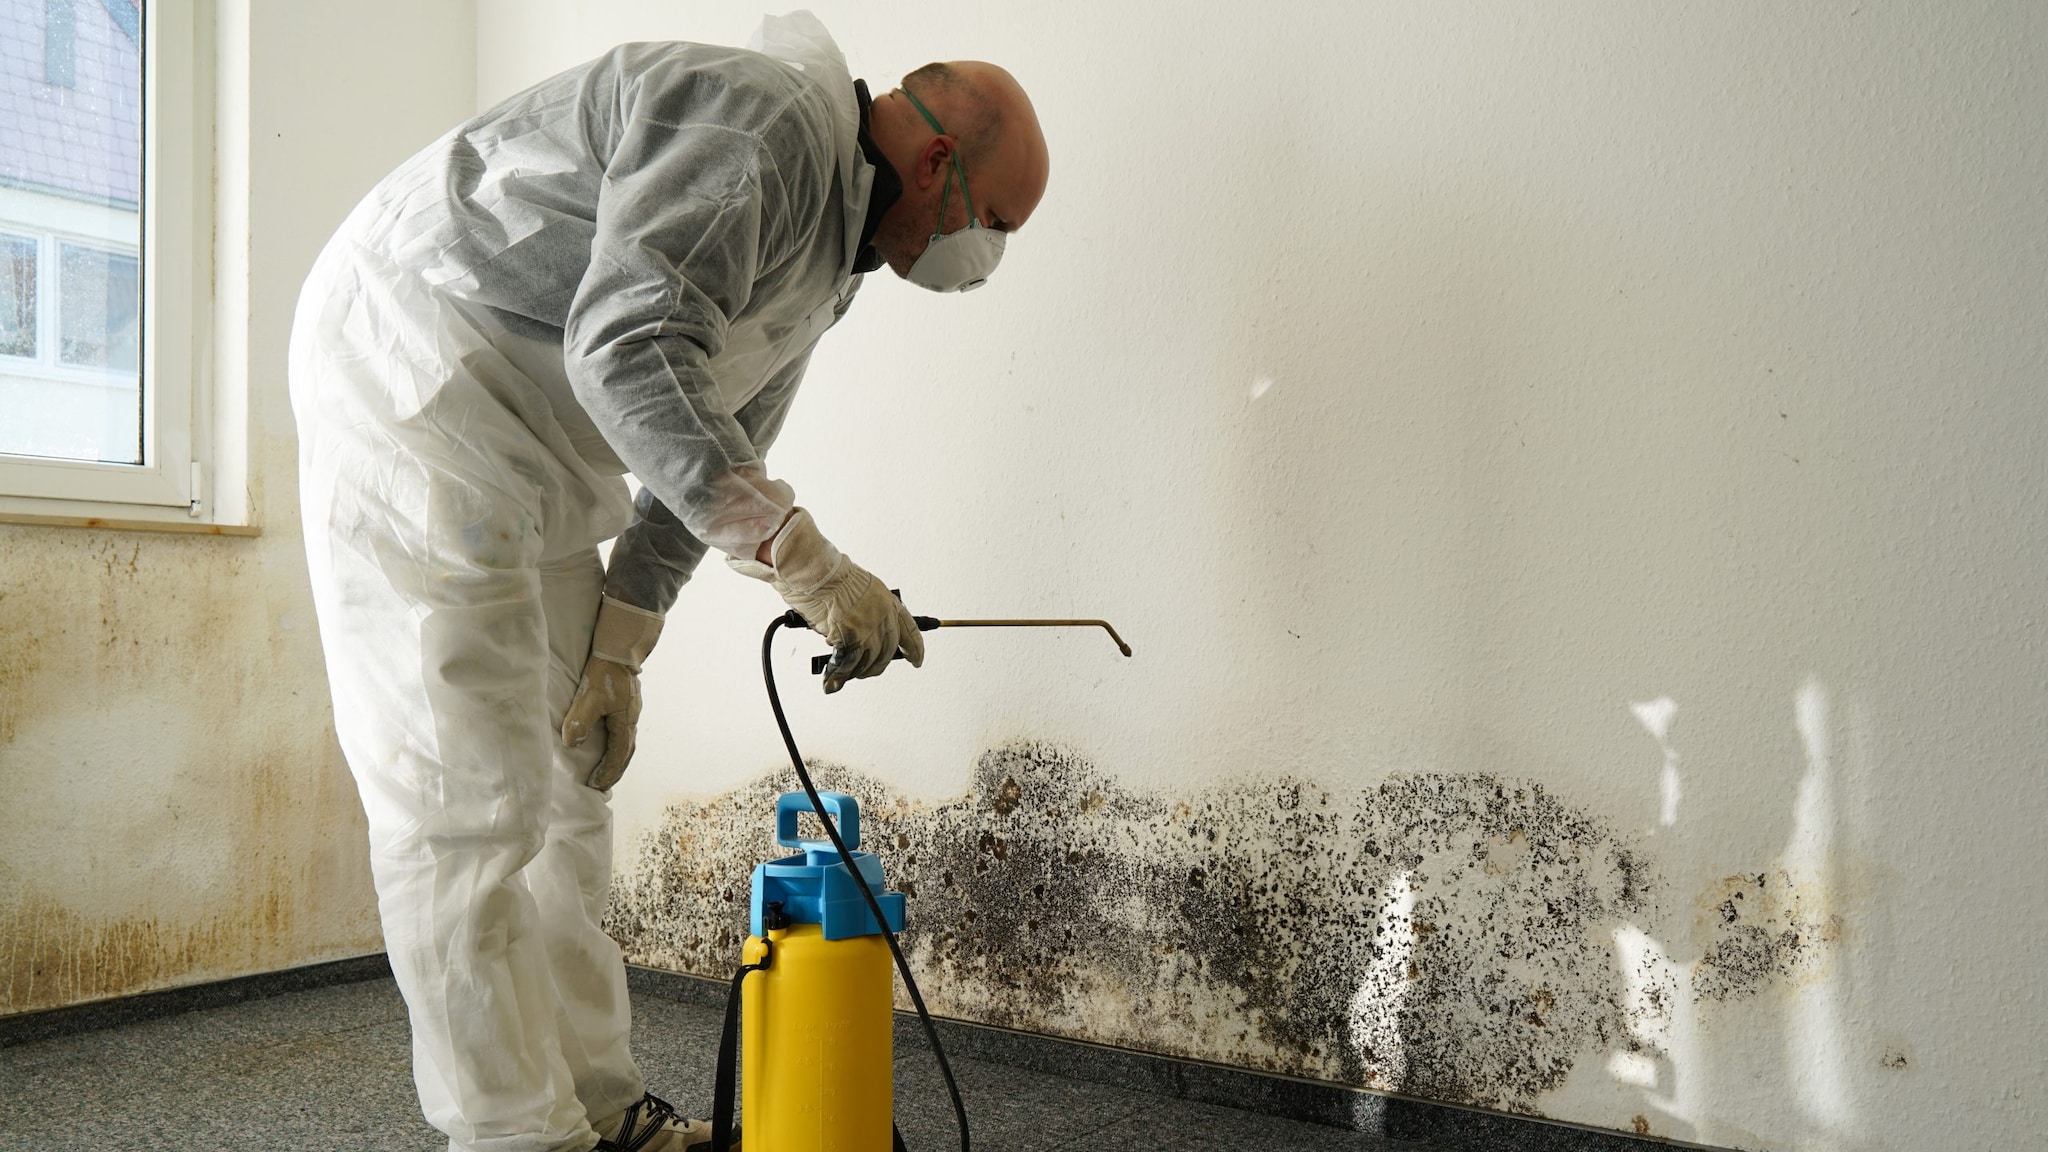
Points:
610	688
843	602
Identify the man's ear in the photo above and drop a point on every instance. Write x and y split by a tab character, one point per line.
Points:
933	161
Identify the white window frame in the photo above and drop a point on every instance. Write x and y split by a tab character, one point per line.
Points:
177	228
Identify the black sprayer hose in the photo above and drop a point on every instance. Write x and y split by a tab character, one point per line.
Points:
793	620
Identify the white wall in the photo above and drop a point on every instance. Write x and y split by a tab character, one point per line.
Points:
177	809
1643	402
1612	356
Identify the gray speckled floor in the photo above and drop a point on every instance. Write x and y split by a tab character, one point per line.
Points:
328	1069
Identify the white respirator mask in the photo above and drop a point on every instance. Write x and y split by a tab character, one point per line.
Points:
962	260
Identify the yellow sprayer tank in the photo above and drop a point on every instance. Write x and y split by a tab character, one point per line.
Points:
815	1053
818	1018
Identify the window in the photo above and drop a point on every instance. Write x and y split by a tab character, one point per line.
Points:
70	353
103	272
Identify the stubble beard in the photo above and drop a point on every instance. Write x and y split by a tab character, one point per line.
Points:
903	236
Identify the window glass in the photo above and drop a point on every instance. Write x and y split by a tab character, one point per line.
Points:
99	298
17	296
71	229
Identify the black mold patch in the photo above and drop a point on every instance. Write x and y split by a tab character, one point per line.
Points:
1766	928
1441	935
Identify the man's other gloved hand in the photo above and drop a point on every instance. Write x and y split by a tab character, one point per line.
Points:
610	689
843	602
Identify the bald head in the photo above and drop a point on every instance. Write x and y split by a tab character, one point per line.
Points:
989	123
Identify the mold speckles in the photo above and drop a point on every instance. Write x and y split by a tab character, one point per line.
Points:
1007	797
1448	936
1763	928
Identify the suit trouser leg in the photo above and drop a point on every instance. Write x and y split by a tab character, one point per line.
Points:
453	568
431	606
571	878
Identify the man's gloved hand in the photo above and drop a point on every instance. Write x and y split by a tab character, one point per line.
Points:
610	689
843	602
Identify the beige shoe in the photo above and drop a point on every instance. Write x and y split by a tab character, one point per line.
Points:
652	1126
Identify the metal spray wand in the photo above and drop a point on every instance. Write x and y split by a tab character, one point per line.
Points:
927	623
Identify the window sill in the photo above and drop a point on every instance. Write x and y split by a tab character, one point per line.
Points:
188	527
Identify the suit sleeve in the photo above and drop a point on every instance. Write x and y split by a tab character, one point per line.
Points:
700	195
654	557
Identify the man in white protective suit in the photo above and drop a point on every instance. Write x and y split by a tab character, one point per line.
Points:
624	268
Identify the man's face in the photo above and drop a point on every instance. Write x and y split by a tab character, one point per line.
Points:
1005	186
909	224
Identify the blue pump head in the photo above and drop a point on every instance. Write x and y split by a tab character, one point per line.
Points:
811	887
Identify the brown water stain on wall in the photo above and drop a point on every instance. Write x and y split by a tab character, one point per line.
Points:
1443	935
51	956
229	843
19	660
198	926
98	611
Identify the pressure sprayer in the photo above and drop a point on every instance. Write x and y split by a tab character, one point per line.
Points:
819	1014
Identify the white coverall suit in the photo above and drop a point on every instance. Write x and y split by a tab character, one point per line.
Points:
625	267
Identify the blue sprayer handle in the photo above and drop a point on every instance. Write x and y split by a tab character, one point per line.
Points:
844	810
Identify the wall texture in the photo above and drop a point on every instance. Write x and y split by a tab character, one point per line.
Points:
177	809
1573	476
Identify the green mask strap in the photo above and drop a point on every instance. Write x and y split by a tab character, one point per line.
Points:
972	219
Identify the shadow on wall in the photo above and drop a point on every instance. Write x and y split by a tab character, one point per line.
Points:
1446	936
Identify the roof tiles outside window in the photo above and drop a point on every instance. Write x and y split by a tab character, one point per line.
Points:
81	140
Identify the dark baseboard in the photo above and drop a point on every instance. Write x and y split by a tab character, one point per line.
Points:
27	1027
1441	1127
